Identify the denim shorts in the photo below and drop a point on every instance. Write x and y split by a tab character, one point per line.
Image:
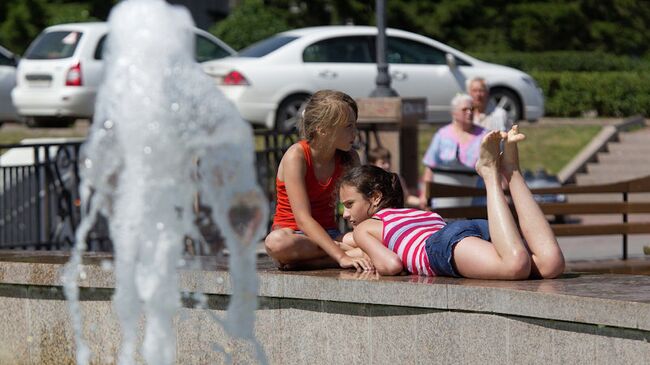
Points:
332	232
440	245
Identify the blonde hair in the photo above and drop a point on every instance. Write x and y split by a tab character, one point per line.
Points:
325	110
468	83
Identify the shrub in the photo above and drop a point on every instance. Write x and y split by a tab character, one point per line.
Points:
565	61
248	23
612	94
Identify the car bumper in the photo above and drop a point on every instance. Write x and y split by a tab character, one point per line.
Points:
534	108
71	102
256	112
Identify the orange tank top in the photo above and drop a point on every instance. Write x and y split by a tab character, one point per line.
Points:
321	196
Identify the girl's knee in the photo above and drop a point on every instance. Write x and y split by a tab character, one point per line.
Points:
552	267
275	242
518	267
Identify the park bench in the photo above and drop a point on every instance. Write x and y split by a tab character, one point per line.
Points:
603	199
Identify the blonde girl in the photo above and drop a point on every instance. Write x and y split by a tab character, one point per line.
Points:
304	231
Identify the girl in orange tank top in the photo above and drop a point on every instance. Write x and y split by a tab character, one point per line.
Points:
304	228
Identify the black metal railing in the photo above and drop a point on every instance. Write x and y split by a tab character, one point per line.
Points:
38	195
39	190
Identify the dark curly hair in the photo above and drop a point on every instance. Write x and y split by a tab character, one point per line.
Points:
369	180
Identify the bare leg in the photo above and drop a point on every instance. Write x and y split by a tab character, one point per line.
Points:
547	258
293	250
507	257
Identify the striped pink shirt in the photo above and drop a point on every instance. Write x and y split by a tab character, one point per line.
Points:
405	233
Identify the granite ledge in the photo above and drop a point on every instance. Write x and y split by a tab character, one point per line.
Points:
599	299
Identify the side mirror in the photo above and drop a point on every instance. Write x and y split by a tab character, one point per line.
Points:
15	60
451	60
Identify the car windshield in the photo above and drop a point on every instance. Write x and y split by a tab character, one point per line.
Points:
54	45
262	48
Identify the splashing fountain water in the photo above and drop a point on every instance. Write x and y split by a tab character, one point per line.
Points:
157	115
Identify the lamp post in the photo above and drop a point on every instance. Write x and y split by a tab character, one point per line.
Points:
382	81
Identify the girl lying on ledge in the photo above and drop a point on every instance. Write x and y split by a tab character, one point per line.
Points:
397	238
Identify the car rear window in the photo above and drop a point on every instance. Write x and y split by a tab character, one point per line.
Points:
207	50
262	48
54	45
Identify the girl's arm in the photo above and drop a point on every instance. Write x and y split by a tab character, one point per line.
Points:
294	170
367	236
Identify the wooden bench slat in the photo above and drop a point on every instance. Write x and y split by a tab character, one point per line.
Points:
641	185
600	229
480	211
595	208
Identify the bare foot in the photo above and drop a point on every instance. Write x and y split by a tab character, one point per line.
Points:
488	161
510	157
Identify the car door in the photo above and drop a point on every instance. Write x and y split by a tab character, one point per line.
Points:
341	63
7	82
421	70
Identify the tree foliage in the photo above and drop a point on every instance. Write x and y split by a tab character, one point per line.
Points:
610	26
22	20
615	26
248	23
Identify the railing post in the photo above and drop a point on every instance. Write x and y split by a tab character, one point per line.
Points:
625	234
47	224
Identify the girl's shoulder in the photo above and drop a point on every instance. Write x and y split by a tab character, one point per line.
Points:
371	225
297	149
403	212
294	156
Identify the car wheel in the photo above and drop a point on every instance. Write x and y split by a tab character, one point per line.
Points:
33	122
286	117
509	101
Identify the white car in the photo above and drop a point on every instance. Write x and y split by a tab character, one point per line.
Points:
62	69
269	80
8	63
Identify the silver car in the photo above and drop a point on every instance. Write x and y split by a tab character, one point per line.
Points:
269	80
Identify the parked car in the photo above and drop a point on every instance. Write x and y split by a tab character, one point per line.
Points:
58	77
8	62
269	80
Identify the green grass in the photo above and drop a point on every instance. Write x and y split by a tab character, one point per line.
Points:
15	135
548	147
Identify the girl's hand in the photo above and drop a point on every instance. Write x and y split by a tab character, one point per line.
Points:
359	263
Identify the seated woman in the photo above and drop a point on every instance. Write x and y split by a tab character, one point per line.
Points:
455	145
420	242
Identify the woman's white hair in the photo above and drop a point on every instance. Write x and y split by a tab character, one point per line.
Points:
458	99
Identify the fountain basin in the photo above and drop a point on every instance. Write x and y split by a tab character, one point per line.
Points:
335	316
